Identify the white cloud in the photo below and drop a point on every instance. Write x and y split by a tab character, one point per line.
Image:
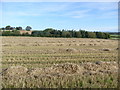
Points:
100	6
78	13
64	9
56	7
72	10
100	10
31	9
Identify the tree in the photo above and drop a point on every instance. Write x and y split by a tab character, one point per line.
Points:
7	27
6	33
26	34
107	35
28	28
48	30
11	33
11	28
3	28
83	33
100	35
90	34
47	34
66	34
78	34
73	33
18	28
15	33
59	33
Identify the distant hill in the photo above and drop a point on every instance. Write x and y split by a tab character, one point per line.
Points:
115	33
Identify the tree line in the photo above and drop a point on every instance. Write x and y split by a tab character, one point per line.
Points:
70	34
28	28
49	32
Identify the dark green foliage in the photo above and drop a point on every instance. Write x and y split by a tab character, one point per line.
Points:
25	34
102	35
7	27
3	28
83	33
15	33
6	33
38	33
66	34
18	28
49	32
73	33
28	28
90	34
11	33
98	34
107	35
78	34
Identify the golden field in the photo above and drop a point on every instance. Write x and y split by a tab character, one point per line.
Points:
40	62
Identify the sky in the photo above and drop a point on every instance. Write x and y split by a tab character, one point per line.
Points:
89	16
60	0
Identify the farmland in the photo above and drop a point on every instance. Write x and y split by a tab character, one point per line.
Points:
40	62
114	36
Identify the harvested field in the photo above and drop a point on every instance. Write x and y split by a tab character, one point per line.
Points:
59	62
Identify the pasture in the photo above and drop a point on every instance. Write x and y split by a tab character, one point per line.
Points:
41	62
115	36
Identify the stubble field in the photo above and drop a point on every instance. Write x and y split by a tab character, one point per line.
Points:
37	62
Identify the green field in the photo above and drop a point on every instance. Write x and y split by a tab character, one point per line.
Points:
59	62
114	36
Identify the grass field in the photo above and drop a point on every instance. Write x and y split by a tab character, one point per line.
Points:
59	62
115	36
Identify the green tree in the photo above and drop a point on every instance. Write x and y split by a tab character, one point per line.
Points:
90	34
15	33
18	28
78	34
6	33
83	33
107	35
3	28
66	34
7	27
99	34
48	30
59	33
72	32
28	28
